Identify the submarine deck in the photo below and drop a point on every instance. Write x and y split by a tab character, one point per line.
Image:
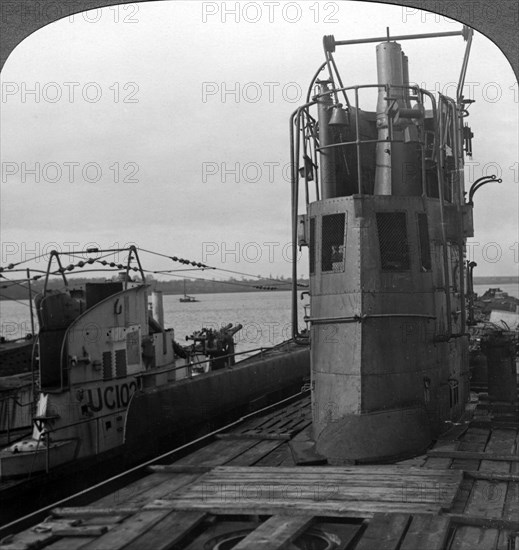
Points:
244	491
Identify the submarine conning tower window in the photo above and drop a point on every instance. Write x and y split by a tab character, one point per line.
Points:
332	257
392	238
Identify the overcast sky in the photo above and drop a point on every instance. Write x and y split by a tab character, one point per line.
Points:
165	124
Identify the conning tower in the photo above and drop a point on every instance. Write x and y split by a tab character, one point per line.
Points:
386	223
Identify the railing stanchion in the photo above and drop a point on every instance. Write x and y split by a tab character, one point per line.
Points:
357	141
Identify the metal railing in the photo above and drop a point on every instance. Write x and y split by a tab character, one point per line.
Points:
304	124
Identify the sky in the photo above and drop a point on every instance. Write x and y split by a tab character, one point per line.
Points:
165	124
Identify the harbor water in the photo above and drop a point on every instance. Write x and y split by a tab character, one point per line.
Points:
265	316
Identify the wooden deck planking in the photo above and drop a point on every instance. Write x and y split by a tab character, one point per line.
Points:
417	462
28	539
298	409
275	457
346	509
329	490
256	453
123	534
501	442
384	532
68	543
511	508
426	532
366	471
216	453
144	530
288	460
275	533
456	432
284	425
469	456
462	497
515	466
439	462
403	506
487	499
131	490
279	422
162	490
474	538
167	532
503	541
473	440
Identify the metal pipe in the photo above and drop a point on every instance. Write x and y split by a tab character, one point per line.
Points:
340	81
328	63
295	204
360	318
298	153
47	453
461	82
399	37
7	404
33	377
357	130
388	157
33	374
327	159
457	197
405	75
340	144
446	273
30	300
457	147
305	152
419	94
316	172
294	191
470	291
461	251
314	78
479	183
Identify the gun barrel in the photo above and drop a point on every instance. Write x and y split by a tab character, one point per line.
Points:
234	330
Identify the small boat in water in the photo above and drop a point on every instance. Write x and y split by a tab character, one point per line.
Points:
113	381
187	298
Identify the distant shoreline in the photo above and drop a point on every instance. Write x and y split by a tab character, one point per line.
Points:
232	286
510	280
